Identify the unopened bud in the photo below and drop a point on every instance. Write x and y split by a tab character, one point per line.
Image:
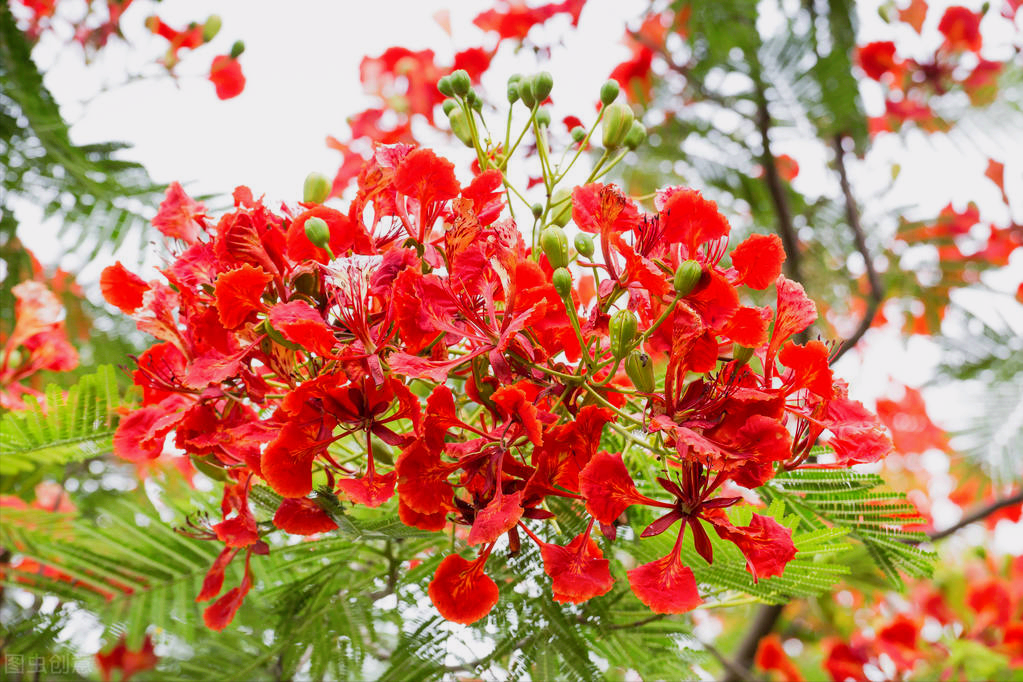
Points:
622	328
448	105
543	117
562	281
211	28
444	85
687	276
316	188
554	243
635	136
460	82
526	93
578	134
741	354
318	232
584	245
237	49
618	120
474	100
537	210
640	370
609	92
563	212
541	85
460	126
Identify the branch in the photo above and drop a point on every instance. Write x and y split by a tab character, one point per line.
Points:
978	515
765	620
774	185
876	293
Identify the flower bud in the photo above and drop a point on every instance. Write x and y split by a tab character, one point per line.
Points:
541	85
513	93
460	82
584	245
609	92
635	136
622	327
563	212
317	231
460	126
444	85
578	134
474	100
543	116
537	210
554	243
316	188
562	281
211	28
618	120
640	370
526	93
741	354
687	276
237	49
449	105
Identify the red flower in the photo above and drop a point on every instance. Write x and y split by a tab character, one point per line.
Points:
122	288
226	76
771	656
301	516
608	489
758	260
578	571
877	59
961	28
461	591
127	661
179	216
689	219
513	18
666	585
238	293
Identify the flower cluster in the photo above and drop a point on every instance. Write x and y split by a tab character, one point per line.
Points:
310	347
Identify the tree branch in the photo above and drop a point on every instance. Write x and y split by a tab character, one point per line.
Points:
765	620
978	514
876	293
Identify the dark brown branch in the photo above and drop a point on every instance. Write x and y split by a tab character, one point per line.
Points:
765	620
876	293
786	230
978	514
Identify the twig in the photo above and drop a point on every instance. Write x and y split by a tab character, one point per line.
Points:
765	620
876	293
978	515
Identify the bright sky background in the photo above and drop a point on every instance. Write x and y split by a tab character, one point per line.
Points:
301	62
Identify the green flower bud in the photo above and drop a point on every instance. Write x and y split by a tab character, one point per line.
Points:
554	243
541	85
584	245
635	136
741	354
609	92
444	85
563	212
460	82
687	276
513	93
622	327
460	126
211	28
526	94
537	210
618	120
640	370
237	49
578	134
543	117
449	105
317	231
562	281
474	100
316	188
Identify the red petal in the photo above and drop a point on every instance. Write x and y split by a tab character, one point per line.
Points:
370	490
226	76
430	522
578	571
423	479
238	293
427	177
496	519
603	208
122	288
134	439
513	403
810	367
179	217
766	544
299	323
748	326
758	260
461	591
688	218
796	312
607	487
666	585
301	516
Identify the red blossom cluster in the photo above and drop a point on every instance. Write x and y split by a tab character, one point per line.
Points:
297	345
912	86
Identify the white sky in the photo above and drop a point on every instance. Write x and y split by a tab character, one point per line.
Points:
301	64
